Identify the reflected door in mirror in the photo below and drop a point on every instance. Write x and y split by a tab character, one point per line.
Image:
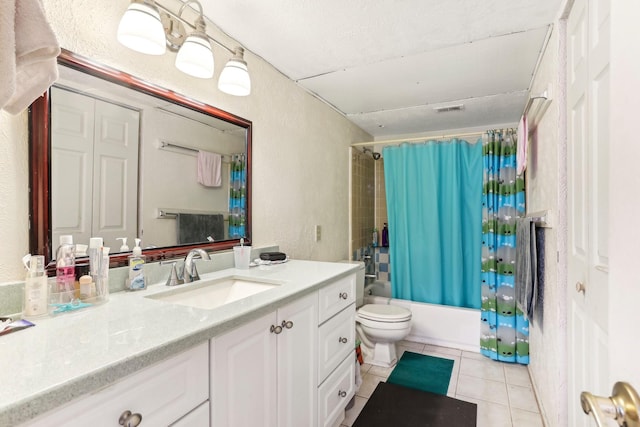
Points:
94	168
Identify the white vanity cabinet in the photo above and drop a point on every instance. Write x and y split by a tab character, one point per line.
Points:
264	373
161	394
336	344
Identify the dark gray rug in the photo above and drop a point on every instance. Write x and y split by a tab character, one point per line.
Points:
398	406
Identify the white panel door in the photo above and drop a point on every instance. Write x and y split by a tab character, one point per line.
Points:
115	188
588	205
297	363
72	120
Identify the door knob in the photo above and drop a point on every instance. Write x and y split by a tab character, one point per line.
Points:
623	406
580	287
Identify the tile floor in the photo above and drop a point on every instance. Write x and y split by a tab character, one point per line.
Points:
502	391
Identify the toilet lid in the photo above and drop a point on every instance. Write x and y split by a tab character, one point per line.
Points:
384	312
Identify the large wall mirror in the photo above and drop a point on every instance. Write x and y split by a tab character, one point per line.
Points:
113	156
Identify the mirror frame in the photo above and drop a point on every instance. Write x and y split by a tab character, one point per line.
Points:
40	163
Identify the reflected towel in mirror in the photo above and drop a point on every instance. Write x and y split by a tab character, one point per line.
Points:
196	228
209	169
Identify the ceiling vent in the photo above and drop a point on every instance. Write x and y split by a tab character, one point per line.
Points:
448	108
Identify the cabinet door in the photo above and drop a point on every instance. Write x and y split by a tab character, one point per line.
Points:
297	361
243	379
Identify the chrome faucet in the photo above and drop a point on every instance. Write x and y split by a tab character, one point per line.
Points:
190	273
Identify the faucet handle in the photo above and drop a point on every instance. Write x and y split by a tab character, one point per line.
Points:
173	278
194	273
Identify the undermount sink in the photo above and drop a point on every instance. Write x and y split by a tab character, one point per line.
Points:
209	294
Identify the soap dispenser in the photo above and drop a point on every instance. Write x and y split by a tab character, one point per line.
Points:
124	247
136	280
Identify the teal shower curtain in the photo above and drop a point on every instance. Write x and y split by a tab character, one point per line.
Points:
237	196
434	193
504	330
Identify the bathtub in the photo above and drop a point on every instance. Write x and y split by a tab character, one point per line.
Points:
434	324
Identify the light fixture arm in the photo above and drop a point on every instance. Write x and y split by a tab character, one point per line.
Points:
199	20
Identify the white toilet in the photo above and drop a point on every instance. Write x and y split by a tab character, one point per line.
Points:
379	327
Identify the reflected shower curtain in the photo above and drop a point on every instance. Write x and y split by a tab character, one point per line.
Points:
504	330
237	196
433	204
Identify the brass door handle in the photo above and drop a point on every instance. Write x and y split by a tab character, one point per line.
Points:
623	406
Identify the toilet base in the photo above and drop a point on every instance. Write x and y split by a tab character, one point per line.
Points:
383	354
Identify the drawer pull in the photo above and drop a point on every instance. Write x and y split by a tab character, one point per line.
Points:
276	329
127	419
342	393
287	324
343	340
344	295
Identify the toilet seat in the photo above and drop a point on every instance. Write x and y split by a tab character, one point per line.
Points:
386	313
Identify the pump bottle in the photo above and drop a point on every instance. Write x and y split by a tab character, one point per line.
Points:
136	280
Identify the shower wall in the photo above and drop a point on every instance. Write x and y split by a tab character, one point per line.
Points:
368	210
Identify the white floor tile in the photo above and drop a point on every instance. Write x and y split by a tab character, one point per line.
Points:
473	355
369	383
478	388
364	368
428	348
525	418
517	375
352	414
522	398
491	414
486	369
379	371
455	371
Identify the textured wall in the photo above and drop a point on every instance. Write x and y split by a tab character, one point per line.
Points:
545	174
300	143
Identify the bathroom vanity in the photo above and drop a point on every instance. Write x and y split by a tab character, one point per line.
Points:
280	356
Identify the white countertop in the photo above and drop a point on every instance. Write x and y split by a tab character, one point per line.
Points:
75	353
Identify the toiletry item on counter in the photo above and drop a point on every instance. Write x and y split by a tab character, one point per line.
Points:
385	236
66	268
87	288
8	325
124	247
273	256
374	240
99	268
136	280
36	289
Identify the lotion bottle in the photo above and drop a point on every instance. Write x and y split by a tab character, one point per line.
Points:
36	291
136	280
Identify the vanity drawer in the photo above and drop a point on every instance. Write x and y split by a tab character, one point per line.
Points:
336	339
162	394
336	392
336	296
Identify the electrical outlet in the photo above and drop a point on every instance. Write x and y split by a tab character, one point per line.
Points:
318	233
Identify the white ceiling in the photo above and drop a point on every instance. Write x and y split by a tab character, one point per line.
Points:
385	64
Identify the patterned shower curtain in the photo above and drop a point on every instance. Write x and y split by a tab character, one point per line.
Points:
504	329
237	196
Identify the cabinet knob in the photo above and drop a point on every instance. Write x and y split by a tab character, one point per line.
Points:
343	340
127	419
580	287
276	329
344	295
287	324
342	393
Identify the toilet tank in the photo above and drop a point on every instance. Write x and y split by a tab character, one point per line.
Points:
359	282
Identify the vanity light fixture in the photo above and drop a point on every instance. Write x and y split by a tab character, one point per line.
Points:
141	29
194	52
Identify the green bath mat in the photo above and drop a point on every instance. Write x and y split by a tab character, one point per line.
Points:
422	372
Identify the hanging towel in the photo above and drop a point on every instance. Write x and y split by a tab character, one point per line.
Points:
30	62
209	169
526	267
523	137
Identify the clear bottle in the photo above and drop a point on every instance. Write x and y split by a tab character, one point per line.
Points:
136	280
374	240
36	289
66	269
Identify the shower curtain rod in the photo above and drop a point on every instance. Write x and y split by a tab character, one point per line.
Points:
424	138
